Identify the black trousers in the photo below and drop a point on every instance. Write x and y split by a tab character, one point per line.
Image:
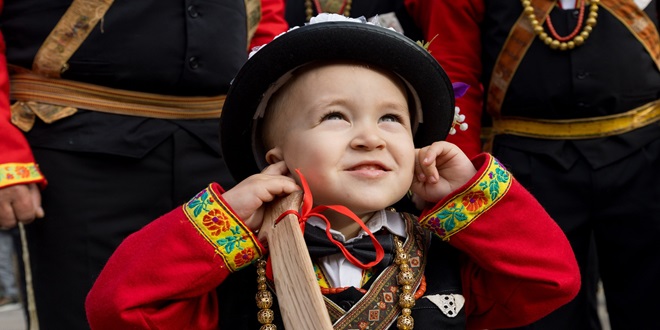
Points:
92	202
615	208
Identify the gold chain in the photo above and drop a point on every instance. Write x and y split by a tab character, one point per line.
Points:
576	40
309	11
264	299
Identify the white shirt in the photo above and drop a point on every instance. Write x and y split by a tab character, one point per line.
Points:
570	4
339	271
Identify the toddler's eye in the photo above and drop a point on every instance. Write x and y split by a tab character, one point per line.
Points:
392	118
333	116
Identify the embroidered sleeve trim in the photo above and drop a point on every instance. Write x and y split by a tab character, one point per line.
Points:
460	211
228	235
16	173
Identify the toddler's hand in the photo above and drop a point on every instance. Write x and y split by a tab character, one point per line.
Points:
248	196
439	169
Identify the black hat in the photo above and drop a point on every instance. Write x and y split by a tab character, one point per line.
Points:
430	86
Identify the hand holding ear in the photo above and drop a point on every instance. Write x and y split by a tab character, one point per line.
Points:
248	196
440	169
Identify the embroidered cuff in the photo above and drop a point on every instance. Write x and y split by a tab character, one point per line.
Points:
460	209
17	173
218	224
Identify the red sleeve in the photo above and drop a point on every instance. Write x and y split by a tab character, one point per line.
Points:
17	164
518	265
164	276
454	28
272	22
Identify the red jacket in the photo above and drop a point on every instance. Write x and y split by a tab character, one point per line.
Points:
517	264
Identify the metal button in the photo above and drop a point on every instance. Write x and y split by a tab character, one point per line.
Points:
192	11
346	304
193	62
576	14
582	75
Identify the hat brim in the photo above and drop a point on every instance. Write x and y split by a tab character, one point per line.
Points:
332	41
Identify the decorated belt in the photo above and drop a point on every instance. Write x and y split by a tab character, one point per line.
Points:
53	99
583	128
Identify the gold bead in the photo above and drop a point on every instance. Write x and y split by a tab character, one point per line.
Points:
406	288
404	267
405	323
262	286
261	263
405	278
264	299
268	327
584	35
407	300
588	28
529	10
571	44
401	258
265	316
261	271
563	46
261	279
406	311
547	41
526	3
554	44
595	2
593	14
591	21
578	40
538	29
543	35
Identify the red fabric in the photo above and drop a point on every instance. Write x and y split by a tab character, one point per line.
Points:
13	145
455	25
272	22
517	267
518	264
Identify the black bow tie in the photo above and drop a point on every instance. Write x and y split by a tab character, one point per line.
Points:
320	246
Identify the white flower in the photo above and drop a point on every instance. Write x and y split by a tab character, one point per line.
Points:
459	120
329	17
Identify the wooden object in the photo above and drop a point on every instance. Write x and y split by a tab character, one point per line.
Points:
298	293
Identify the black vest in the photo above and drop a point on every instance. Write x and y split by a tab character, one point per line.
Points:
611	73
156	46
237	307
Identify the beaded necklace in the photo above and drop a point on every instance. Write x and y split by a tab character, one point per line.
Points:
345	8
570	41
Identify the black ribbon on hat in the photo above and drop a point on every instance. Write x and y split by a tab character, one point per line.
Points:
363	248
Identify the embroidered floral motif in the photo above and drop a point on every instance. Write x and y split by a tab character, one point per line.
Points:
460	211
14	173
216	222
222	229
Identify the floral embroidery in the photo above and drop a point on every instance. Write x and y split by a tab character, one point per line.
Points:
15	173
459	212
231	239
216	222
244	257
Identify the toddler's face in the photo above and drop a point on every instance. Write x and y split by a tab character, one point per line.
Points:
347	128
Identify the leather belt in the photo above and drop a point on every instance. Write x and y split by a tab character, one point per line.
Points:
53	99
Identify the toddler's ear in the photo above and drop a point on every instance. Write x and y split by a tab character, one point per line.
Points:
274	155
